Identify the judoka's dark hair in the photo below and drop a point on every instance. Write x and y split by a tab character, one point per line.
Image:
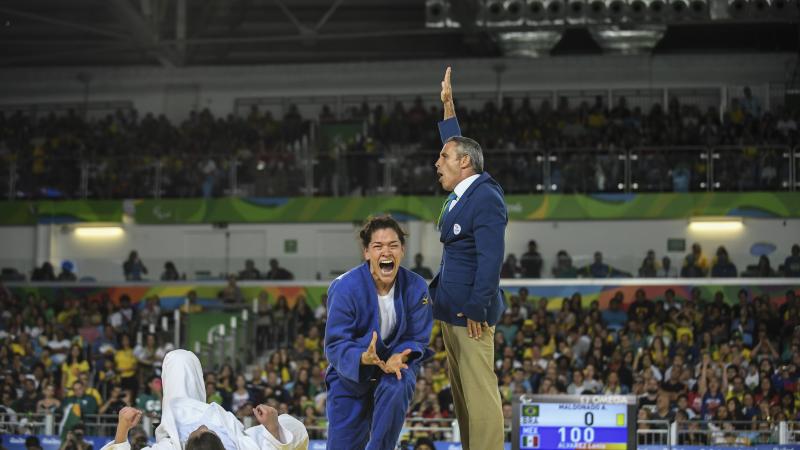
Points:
374	224
204	441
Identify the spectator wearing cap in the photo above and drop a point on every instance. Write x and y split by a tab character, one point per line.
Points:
67	273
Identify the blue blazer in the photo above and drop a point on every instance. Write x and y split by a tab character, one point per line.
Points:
473	234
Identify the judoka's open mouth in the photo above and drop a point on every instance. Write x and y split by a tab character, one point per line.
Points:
387	266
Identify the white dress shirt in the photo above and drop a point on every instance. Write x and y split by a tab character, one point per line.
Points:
461	188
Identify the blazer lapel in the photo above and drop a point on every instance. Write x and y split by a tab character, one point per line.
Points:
450	218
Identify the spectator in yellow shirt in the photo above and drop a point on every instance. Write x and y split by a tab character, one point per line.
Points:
74	366
126	364
312	341
90	390
700	259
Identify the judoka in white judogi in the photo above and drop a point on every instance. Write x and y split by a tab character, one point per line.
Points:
184	410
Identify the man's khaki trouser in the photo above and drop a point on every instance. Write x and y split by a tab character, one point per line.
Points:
474	384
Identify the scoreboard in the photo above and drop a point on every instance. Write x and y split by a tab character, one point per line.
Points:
552	422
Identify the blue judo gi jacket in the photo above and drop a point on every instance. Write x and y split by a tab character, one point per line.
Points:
366	407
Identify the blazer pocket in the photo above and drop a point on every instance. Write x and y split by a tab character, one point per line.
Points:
466	278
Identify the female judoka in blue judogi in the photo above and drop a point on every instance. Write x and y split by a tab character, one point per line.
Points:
379	325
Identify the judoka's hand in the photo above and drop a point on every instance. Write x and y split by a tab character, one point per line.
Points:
397	362
128	418
268	416
370	357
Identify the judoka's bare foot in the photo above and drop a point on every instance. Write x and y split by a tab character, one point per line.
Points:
268	416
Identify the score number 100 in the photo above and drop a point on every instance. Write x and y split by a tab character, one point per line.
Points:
579	434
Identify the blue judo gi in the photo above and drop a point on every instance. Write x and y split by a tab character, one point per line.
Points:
366	407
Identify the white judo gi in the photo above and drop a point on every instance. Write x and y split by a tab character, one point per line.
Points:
184	409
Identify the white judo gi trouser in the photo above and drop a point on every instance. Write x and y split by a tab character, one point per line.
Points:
184	409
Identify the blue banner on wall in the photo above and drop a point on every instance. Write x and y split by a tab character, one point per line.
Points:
17	441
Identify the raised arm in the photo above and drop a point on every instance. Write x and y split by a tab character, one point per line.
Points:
277	432
127	419
447	96
449	126
702	383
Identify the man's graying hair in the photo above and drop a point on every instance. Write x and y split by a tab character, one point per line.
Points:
468	147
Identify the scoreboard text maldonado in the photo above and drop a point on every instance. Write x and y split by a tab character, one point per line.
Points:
560	422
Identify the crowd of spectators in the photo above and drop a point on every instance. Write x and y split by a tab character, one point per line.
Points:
62	351
530	265
134	269
133	156
695	265
688	360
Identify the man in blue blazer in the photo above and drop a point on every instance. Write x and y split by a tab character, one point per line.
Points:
466	293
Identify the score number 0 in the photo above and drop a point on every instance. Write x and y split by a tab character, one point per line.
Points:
576	433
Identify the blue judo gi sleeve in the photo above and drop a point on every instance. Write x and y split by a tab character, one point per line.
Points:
343	344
